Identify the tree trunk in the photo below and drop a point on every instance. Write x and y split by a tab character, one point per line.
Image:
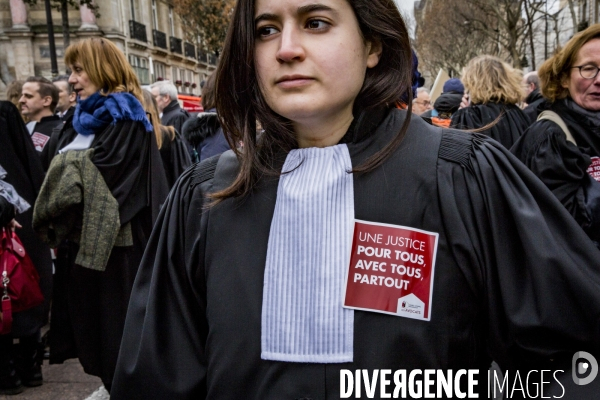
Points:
573	16
530	34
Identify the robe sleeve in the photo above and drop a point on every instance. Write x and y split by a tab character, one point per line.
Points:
563	168
536	272
162	354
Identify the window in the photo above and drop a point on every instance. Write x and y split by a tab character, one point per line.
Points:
171	21
140	66
160	70
154	15
133	6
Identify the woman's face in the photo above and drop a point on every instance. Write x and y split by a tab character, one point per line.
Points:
311	58
81	82
585	92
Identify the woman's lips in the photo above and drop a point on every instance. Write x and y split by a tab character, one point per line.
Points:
294	81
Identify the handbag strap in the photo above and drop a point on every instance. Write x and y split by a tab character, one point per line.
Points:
554	117
6	316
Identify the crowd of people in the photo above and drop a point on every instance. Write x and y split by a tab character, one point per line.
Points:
214	255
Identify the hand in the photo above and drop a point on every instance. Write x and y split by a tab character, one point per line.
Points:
465	102
13	225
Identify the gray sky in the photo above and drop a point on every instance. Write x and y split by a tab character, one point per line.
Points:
407	9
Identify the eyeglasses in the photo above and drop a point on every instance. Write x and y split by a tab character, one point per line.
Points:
426	103
587	71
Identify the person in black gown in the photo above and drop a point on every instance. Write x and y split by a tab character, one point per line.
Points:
248	288
173	151
494	89
89	307
20	161
570	167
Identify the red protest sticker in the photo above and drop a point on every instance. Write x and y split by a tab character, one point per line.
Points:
594	168
391	270
39	140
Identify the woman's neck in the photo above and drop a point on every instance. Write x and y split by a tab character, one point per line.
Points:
321	134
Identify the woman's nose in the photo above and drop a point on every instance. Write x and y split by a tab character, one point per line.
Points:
290	45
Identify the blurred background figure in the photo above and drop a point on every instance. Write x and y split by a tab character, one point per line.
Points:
13	94
422	102
204	133
170	111
22	364
534	98
173	152
67	98
495	89
447	103
567	158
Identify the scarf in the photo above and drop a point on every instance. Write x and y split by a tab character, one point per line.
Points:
95	113
592	117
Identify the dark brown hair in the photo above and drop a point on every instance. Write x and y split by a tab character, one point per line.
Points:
208	93
240	104
45	89
557	68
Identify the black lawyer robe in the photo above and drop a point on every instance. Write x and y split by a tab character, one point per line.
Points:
508	128
24	171
175	156
515	280
562	165
89	307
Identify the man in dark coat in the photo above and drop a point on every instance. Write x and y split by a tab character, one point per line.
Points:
173	115
38	101
534	97
67	98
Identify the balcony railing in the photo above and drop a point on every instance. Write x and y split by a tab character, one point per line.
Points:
137	31
143	75
190	50
207	58
160	39
175	45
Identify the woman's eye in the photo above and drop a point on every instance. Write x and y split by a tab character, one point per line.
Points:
316	24
266	31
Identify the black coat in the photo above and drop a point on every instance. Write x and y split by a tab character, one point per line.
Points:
193	328
174	115
562	165
506	130
43	130
533	100
24	171
175	157
89	306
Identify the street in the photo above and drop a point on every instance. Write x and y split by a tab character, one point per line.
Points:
63	382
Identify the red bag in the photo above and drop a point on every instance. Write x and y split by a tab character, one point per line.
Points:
19	283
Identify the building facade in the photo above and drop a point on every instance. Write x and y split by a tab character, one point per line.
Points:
148	31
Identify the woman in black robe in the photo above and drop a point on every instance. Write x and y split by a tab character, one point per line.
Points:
173	152
258	284
494	89
89	308
24	172
570	167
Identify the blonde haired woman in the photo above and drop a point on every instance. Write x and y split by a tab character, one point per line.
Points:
90	304
494	89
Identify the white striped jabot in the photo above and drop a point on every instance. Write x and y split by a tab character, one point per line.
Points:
307	258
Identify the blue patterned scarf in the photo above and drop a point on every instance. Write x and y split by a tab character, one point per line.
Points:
96	112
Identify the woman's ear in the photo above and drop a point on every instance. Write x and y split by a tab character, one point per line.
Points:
374	48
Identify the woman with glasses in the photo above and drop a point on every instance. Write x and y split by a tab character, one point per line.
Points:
494	89
567	159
